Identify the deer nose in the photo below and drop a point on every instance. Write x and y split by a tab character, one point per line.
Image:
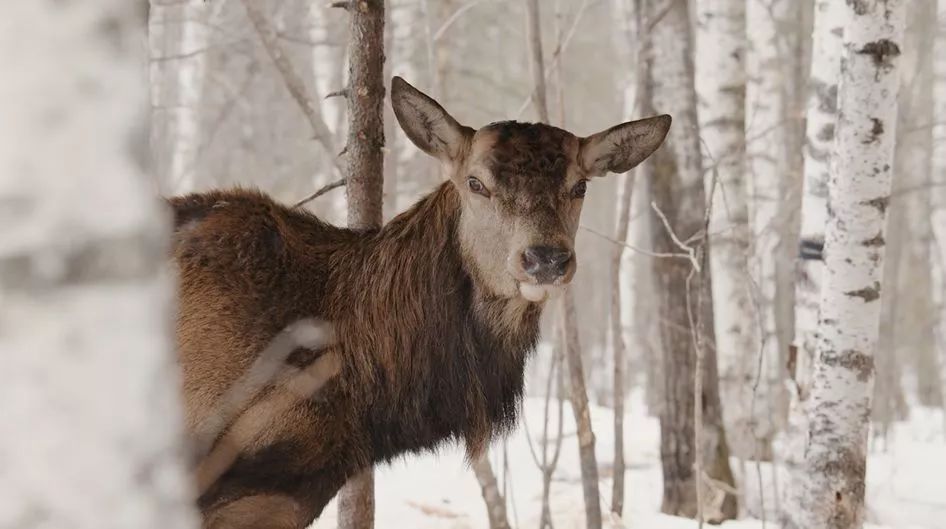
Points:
545	263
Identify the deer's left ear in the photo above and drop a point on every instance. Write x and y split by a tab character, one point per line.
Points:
620	148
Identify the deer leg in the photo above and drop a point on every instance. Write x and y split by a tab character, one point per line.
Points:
264	511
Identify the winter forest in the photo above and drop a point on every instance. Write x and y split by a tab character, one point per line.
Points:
277	264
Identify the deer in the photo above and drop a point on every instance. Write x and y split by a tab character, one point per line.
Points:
434	315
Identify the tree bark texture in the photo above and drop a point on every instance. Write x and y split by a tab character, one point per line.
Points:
677	190
859	192
821	121
365	187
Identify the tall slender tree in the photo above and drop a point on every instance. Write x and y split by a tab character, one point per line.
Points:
938	194
178	38
821	120
721	87
768	135
685	297
365	185
91	425
578	393
859	192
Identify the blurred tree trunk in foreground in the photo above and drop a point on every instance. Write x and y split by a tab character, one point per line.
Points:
85	312
684	300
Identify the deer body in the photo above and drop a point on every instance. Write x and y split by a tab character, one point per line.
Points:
434	315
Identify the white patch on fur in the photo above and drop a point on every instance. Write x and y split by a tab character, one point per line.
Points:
539	293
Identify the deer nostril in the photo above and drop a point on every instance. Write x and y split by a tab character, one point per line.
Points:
545	263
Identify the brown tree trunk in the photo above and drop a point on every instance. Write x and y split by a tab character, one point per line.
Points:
578	395
495	503
684	297
365	176
569	320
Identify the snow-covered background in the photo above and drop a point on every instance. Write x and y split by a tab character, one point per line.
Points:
906	482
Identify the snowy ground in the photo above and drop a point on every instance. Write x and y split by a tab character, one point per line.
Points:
906	483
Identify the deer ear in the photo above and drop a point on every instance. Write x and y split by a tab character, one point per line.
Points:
620	148
426	123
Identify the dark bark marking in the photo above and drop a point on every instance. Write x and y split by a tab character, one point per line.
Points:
868	294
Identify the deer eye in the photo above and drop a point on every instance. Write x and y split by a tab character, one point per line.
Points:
579	190
477	187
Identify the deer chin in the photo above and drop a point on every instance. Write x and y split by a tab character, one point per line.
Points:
539	293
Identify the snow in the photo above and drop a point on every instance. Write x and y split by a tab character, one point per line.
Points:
438	491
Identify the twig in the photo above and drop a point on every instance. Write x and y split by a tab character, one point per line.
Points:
690	252
559	50
321	191
291	78
658	255
453	18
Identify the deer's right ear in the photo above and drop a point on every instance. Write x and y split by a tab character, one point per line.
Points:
426	123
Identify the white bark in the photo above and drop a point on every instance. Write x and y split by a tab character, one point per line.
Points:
859	191
720	85
768	163
91	433
821	121
178	39
938	193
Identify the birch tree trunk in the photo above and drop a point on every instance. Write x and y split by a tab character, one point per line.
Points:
365	186
821	120
767	162
178	39
677	190
721	87
85	322
938	195
859	192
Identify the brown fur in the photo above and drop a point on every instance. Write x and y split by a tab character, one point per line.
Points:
427	356
431	313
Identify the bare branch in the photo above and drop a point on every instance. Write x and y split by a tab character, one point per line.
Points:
321	191
291	78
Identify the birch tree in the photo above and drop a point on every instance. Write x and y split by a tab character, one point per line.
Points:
84	293
720	85
178	41
821	120
768	164
859	191
365	186
938	194
684	296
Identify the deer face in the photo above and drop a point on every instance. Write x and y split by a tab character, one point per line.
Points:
521	187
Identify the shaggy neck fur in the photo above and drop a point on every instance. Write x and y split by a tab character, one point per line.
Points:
436	355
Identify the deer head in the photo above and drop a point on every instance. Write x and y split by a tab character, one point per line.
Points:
521	187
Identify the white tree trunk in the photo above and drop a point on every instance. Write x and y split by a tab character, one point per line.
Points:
859	191
720	85
178	39
822	117
938	194
768	162
91	434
